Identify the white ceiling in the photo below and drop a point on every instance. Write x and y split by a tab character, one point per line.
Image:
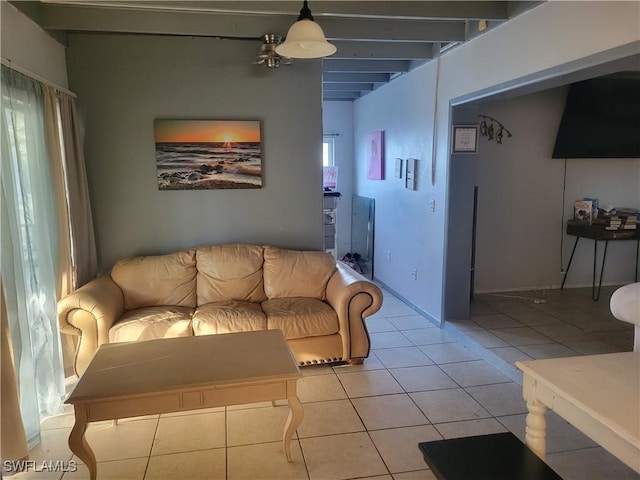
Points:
376	40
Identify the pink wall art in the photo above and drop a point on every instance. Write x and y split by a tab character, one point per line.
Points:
375	152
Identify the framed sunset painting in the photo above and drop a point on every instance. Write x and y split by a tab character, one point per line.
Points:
208	154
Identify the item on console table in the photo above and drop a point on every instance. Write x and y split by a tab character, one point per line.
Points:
609	222
617	221
629	217
583	210
595	205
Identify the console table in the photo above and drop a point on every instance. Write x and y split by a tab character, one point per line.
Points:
598	233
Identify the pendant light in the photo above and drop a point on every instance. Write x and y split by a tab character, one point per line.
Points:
305	39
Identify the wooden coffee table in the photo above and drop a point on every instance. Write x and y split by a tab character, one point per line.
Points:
597	394
188	373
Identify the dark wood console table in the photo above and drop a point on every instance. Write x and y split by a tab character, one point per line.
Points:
598	233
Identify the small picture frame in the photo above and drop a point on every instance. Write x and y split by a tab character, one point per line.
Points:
398	168
464	139
410	174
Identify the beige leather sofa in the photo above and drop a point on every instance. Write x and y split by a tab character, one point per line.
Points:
320	305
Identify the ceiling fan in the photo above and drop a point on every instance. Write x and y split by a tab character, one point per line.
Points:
267	54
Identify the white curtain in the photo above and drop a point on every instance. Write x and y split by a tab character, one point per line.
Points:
28	251
77	260
83	251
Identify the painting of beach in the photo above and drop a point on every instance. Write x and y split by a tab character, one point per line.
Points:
208	154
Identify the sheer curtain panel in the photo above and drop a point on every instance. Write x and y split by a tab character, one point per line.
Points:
77	260
83	243
64	270
28	251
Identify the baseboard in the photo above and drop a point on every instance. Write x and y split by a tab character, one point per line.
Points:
544	288
408	302
459	335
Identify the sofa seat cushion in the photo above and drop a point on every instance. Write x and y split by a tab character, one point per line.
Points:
227	317
299	317
151	323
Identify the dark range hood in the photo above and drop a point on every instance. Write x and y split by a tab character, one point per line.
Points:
601	119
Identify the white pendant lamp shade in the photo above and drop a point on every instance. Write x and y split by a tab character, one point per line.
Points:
305	39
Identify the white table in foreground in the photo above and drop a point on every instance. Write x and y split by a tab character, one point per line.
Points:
597	394
188	373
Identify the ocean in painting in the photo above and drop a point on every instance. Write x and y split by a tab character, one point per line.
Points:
197	166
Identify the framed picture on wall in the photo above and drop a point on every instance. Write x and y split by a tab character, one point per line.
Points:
375	165
410	175
330	176
464	139
397	172
208	154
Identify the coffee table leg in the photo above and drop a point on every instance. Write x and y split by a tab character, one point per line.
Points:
536	429
78	443
293	422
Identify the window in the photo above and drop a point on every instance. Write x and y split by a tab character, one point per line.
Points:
327	152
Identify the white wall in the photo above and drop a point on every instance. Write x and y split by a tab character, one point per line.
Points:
521	223
28	46
124	82
337	121
405	227
549	36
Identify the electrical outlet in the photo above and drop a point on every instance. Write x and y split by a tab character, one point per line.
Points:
414	273
389	256
433	205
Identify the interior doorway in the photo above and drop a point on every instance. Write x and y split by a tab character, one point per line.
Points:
462	174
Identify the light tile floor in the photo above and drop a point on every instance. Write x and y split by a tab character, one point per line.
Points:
556	323
420	383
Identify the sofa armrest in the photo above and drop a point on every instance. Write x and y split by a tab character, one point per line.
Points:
90	312
354	298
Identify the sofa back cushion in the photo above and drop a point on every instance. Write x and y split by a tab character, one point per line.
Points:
293	273
230	272
157	280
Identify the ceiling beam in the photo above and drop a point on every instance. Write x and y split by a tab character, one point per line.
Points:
393	30
340	77
373	66
341	95
88	18
382	50
426	10
348	87
83	18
